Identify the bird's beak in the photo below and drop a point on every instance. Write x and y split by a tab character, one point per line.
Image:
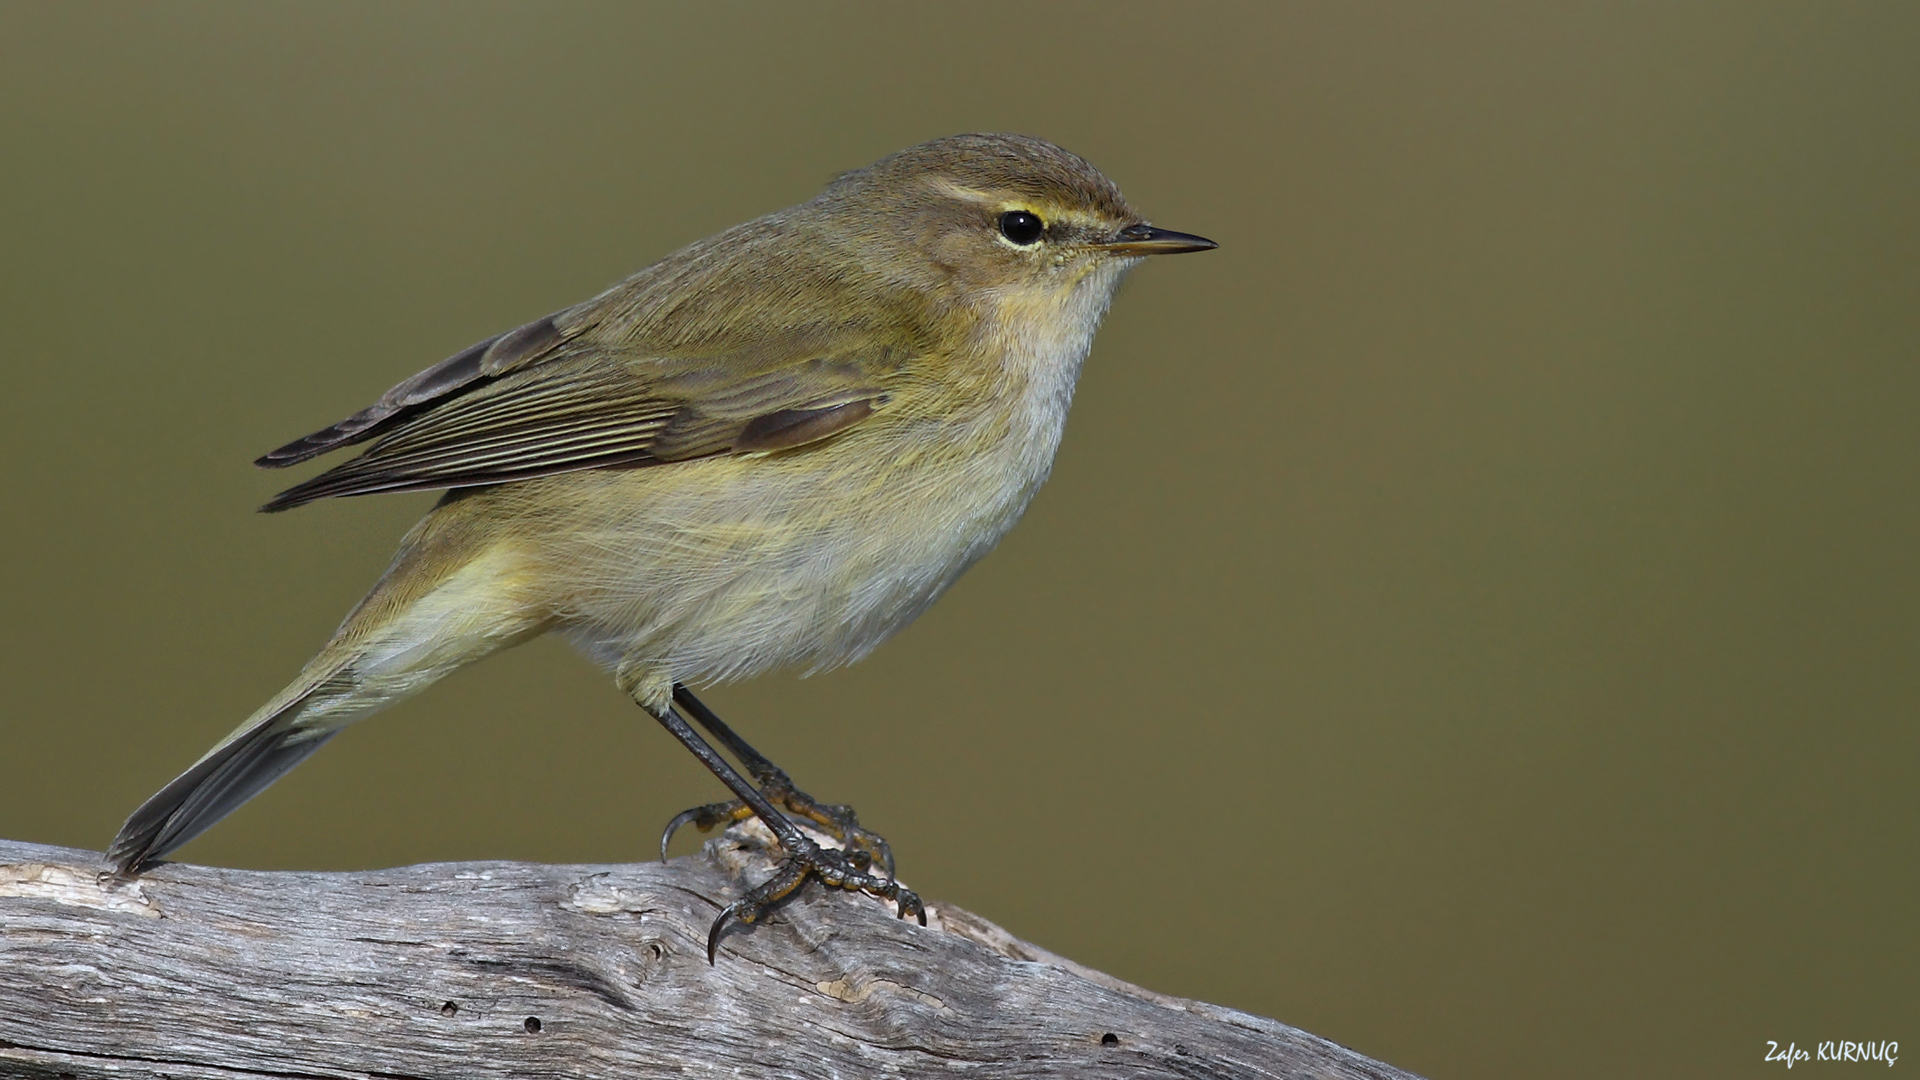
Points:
1147	240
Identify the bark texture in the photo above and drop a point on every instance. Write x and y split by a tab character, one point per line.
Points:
524	970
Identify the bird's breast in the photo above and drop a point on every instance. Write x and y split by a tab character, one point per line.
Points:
727	567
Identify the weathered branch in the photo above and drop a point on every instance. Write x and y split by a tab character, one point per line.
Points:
516	970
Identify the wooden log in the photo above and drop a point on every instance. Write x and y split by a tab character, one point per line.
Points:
499	969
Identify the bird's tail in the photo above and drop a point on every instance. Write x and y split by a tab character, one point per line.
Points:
436	609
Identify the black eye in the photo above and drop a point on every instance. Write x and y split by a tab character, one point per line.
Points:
1022	227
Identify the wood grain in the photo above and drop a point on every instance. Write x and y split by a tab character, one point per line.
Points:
525	970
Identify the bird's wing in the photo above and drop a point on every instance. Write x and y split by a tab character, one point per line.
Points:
476	364
534	403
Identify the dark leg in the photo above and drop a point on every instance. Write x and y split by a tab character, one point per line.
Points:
838	820
804	857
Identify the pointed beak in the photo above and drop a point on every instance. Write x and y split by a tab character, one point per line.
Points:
1147	240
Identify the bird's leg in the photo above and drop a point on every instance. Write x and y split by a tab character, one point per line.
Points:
840	869
836	819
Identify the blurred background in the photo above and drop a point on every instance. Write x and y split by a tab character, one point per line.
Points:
1474	615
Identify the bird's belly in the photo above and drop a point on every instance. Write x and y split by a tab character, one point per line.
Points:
729	567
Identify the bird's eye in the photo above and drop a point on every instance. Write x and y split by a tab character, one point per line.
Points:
1022	227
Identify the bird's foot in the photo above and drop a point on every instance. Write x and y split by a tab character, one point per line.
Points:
835	819
840	869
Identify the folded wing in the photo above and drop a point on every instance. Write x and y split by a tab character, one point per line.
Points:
534	403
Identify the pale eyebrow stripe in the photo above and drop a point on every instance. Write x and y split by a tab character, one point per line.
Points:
1051	211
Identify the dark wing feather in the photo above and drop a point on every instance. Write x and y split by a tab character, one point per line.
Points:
588	409
488	359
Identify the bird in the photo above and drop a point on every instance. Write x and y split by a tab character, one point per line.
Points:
771	449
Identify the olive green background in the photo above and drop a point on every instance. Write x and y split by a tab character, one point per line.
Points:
1474	613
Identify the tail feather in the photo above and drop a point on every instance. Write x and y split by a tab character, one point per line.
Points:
214	787
438	607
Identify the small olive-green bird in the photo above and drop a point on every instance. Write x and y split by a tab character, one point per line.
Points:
773	448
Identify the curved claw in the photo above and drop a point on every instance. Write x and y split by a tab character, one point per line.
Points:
684	817
719	923
909	901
